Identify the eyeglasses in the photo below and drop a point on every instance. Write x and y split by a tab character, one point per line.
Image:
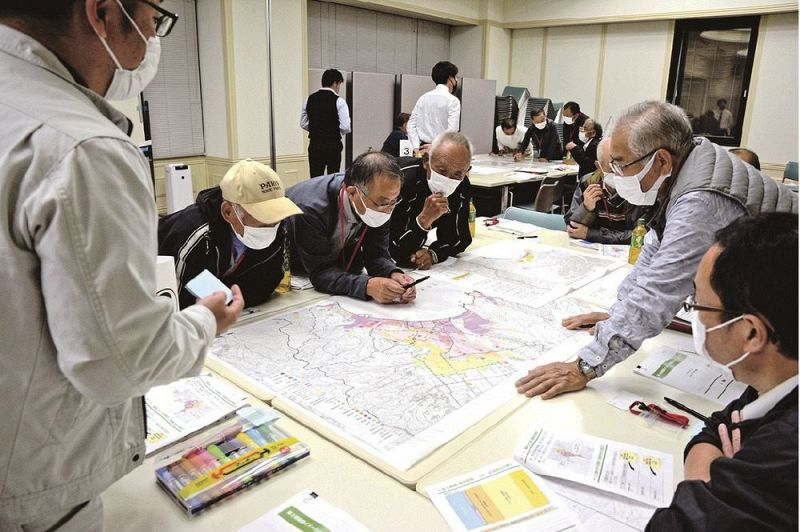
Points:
381	207
618	168
691	305
165	21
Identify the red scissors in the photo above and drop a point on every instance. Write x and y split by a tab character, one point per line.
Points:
491	221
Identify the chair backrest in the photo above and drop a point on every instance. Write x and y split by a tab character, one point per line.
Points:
550	191
541	219
790	171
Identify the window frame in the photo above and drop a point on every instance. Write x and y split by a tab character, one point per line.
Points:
678	62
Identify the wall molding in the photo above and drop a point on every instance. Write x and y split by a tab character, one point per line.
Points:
230	76
666	15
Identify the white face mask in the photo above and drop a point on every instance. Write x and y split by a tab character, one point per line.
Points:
540	125
371	217
442	184
629	186
699	333
127	84
582	136
255	237
569	120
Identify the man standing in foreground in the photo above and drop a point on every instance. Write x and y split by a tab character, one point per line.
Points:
82	334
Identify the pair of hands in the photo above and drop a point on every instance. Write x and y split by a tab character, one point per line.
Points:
391	289
559	377
592	195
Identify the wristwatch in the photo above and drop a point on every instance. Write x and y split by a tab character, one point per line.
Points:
587	370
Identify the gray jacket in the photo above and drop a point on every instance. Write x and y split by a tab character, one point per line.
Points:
82	335
711	190
311	234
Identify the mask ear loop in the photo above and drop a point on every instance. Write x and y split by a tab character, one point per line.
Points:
135	26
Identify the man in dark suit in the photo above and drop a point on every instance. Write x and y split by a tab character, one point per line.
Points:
585	155
573	121
326	118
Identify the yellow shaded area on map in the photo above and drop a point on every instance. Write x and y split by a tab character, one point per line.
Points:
505	497
437	362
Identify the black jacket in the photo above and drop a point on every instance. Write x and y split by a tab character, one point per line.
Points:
571	130
546	140
199	238
586	156
452	229
310	236
753	491
392	143
611	222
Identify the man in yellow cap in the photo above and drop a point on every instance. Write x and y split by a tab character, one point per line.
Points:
233	231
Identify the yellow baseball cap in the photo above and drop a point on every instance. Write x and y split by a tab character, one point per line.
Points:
258	189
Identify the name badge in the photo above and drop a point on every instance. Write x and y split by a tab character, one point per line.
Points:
406	150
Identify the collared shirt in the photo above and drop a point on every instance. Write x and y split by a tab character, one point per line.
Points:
509	142
663	275
237	246
341	109
768	400
435	112
352	226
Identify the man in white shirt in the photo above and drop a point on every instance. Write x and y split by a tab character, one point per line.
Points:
509	135
741	470
437	110
724	116
326	117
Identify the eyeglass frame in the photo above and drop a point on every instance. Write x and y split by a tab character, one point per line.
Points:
618	168
378	206
691	305
165	15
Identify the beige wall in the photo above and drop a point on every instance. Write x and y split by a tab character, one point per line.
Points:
466	50
498	55
607	66
771	116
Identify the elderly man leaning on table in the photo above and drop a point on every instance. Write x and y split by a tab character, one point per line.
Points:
696	188
435	195
344	229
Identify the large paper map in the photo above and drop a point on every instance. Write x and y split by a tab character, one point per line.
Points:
401	380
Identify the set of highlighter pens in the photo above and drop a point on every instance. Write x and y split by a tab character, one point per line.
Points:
226	459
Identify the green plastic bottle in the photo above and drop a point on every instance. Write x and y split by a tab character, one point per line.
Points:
471	219
637	241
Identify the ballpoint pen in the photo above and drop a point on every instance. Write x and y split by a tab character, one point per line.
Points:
688	410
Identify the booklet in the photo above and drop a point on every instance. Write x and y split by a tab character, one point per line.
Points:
690	373
305	511
502	494
634	472
179	409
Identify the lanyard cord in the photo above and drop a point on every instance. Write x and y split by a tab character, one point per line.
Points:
341	235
